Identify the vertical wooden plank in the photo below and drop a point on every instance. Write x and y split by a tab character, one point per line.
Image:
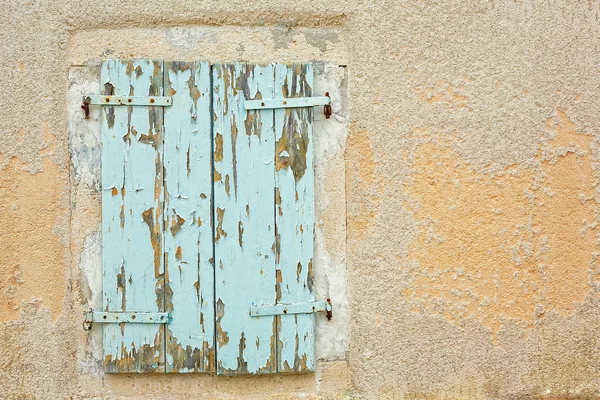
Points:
188	223
244	142
294	198
132	216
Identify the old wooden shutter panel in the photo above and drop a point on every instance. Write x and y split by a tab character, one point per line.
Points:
264	216
294	183
132	194
245	220
207	218
188	222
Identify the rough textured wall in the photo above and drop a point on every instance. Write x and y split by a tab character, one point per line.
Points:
470	175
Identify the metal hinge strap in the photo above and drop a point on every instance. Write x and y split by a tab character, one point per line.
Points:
99	99
297	308
286	103
125	317
106	100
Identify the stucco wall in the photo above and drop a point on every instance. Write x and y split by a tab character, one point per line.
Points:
457	199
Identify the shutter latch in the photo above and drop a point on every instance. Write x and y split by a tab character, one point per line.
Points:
297	308
111	100
124	317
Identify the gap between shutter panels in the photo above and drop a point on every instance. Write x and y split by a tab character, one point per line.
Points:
291	347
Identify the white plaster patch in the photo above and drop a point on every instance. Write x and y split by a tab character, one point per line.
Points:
330	280
90	360
330	134
91	268
84	134
332	337
188	38
86	151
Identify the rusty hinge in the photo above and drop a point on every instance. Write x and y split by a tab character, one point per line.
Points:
102	100
327	107
124	317
297	308
291	102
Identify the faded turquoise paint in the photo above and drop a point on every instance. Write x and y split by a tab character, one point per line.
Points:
263	208
288	102
129	100
155	226
188	224
296	308
294	182
132	193
245	221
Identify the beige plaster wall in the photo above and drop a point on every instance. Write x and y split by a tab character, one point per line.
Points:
459	215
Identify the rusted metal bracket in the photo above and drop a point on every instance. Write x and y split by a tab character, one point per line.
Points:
124	317
290	102
297	308
327	107
102	100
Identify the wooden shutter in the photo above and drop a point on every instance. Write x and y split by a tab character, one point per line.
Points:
157	218
263	185
132	221
207	209
294	226
188	222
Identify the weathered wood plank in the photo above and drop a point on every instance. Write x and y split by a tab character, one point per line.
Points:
294	197
244	143
132	195
188	223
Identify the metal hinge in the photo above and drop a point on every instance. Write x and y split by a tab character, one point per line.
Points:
291	102
102	100
297	308
124	317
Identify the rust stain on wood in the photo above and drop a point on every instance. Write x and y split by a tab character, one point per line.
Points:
242	367
145	358
150	217
176	223
309	275
222	338
292	146
219	230
109	90
218	147
234	133
122	286
184	357
298	271
122	216
240	233
227	186
278	280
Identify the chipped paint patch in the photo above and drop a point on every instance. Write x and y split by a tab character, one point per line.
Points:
360	157
32	264
507	247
